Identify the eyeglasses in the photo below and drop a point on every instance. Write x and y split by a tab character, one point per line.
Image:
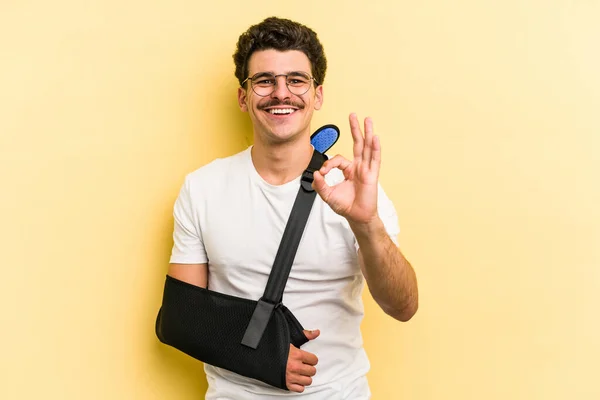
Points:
264	83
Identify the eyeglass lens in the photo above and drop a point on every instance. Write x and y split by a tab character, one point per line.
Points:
264	84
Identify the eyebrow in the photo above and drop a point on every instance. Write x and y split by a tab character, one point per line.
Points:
261	74
265	73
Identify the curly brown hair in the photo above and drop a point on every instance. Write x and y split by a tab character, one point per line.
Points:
280	34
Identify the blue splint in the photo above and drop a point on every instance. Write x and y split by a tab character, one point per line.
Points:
325	137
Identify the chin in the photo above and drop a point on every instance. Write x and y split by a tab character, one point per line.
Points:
280	137
282	134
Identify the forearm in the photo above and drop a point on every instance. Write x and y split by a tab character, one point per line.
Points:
390	277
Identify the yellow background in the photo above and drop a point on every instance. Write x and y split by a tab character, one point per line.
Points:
489	117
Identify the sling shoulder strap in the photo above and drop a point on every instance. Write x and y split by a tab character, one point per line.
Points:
286	253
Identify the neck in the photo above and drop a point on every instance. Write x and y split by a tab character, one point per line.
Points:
279	163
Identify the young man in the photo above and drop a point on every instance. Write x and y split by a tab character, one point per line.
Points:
230	216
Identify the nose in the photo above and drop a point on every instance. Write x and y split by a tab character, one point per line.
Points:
281	91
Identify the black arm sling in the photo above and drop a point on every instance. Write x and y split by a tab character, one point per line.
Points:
250	338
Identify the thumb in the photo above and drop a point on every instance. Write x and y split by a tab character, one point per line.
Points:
311	335
320	186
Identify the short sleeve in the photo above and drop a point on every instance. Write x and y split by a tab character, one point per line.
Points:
188	246
388	215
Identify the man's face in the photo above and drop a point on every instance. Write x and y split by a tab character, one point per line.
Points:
276	126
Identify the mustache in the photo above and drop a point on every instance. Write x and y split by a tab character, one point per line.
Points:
275	102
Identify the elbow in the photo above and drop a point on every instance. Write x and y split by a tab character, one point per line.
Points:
403	314
407	314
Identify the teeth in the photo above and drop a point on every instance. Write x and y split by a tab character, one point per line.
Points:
281	110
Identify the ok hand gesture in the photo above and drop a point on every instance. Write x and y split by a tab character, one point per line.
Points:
356	197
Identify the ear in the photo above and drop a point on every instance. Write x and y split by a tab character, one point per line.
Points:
319	97
242	97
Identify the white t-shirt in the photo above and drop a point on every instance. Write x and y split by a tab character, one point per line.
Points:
226	215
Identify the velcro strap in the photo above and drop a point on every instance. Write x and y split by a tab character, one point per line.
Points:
258	323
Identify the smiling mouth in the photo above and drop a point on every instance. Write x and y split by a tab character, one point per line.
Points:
281	111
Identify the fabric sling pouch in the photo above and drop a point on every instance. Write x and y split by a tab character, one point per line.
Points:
248	337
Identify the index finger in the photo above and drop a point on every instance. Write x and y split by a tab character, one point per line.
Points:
309	358
336	162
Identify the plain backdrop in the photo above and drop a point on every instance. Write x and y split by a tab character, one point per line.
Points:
488	114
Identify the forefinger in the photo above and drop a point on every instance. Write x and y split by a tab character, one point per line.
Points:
336	162
309	358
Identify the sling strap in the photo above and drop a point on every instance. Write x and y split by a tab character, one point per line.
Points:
286	253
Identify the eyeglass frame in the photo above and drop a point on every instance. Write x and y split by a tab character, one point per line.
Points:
311	78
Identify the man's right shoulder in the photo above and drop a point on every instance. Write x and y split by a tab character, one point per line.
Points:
218	170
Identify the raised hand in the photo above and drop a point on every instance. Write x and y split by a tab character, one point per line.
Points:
301	366
356	197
